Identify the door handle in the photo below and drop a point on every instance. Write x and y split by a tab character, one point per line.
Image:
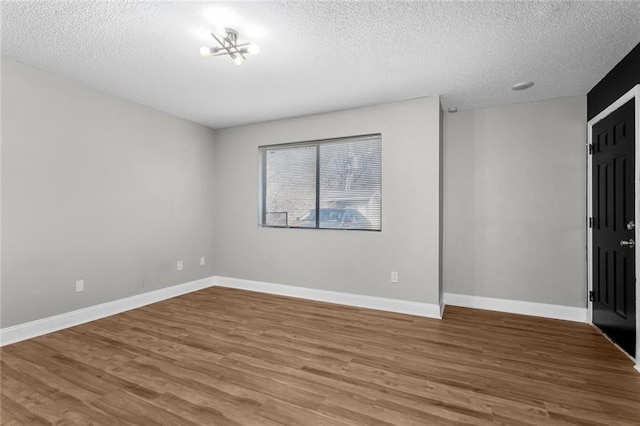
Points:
630	243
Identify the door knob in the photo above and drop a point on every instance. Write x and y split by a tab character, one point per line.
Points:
630	243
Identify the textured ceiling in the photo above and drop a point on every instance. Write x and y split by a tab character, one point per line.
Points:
322	56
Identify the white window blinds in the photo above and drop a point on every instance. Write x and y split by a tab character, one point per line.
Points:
327	184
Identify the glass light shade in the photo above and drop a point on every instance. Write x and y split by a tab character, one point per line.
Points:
205	51
239	60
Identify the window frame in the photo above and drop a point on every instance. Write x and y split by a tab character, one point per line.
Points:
317	143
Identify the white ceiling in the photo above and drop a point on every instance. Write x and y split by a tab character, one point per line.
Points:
322	56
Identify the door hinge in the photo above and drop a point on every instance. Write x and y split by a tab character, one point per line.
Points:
590	222
591	296
590	148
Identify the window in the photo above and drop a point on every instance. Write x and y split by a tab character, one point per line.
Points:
339	178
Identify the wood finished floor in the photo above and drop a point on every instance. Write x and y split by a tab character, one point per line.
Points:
224	357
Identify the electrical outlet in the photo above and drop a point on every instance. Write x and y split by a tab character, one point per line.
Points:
394	277
202	261
79	286
180	265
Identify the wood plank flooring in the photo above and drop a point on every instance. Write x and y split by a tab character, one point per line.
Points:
229	357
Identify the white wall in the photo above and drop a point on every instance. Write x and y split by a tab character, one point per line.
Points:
98	188
514	200
345	261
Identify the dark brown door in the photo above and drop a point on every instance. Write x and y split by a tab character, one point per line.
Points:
614	272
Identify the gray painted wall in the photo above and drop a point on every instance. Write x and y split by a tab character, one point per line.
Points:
346	261
514	200
98	188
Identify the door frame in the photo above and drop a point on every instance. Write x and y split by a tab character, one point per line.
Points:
633	93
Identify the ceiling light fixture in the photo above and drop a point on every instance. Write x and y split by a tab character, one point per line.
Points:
229	46
522	86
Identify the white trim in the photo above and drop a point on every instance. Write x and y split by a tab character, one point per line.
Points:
430	310
634	92
637	367
42	326
47	325
36	328
569	313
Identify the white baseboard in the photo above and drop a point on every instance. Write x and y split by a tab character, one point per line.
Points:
569	313
42	326
39	327
637	367
383	304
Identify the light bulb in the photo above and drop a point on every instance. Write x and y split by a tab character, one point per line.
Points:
238	60
205	51
253	48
